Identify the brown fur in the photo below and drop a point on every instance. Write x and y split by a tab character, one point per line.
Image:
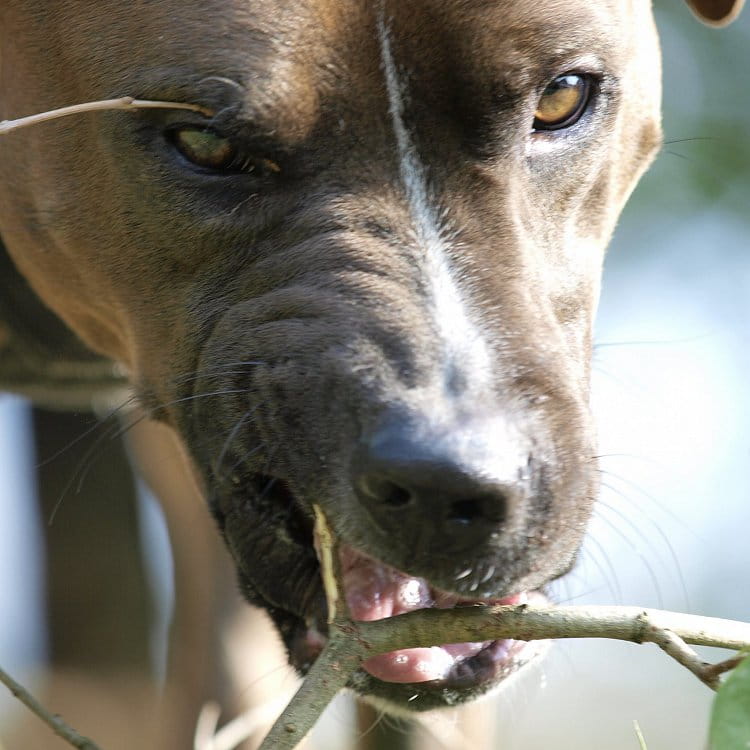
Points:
300	296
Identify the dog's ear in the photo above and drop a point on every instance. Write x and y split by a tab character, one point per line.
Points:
716	12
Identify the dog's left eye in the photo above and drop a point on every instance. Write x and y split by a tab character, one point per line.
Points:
563	102
212	151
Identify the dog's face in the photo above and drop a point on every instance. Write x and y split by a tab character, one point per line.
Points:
368	282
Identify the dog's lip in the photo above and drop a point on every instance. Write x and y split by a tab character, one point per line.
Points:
375	591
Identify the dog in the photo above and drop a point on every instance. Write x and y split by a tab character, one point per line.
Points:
367	280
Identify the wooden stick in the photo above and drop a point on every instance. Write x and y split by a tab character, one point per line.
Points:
350	643
526	622
58	726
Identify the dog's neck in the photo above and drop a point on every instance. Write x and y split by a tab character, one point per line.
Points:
40	357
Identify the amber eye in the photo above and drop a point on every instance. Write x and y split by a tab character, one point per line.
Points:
205	148
214	152
563	102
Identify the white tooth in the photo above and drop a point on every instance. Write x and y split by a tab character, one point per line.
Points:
466	573
490	572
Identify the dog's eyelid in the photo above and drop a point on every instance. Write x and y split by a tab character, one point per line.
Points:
214	152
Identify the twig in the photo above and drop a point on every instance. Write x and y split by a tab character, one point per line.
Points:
236	731
327	547
205	726
336	663
350	643
58	726
326	678
682	653
527	622
127	103
349	646
328	675
716	670
639	736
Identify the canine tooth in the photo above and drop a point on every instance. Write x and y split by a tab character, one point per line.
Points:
490	572
466	573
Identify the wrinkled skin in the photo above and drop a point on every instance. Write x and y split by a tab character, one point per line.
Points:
275	317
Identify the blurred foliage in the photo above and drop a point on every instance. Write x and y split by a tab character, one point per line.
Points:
705	162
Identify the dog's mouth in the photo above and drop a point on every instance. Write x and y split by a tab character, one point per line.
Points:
375	591
420	678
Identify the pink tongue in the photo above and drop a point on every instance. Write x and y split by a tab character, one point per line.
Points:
375	591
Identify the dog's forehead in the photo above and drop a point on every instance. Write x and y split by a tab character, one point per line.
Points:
297	44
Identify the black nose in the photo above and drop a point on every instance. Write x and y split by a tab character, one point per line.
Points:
446	487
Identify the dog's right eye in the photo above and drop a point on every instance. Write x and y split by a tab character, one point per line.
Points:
204	148
214	152
563	102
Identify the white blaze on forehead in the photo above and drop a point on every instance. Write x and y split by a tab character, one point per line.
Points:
464	345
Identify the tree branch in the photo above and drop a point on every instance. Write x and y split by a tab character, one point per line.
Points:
58	726
127	103
350	643
526	622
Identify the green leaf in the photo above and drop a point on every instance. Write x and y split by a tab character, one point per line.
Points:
730	718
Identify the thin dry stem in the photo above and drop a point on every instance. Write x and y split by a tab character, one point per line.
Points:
205	727
127	103
58	726
233	733
327	547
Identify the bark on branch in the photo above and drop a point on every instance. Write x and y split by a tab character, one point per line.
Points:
350	643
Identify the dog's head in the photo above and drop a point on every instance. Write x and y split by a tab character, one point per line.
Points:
368	282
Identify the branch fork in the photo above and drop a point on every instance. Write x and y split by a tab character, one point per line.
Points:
350	643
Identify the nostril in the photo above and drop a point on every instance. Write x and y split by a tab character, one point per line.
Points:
471	510
394	495
385	492
390	494
464	511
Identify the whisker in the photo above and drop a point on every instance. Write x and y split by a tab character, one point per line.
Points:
221	369
85	462
134	399
230	439
635	549
607	570
97	424
661	506
664	538
113	433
